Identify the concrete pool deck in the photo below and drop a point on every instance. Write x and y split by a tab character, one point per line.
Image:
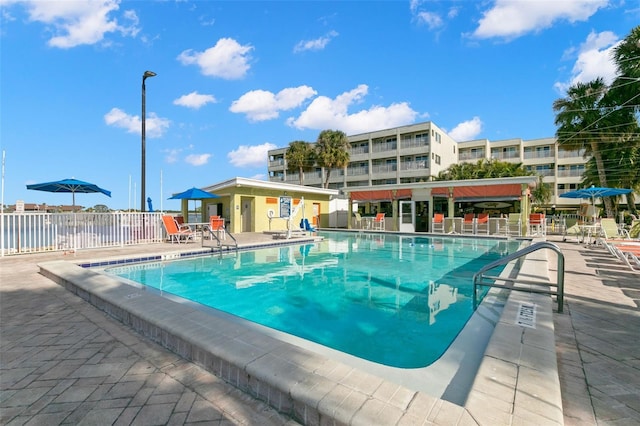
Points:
64	361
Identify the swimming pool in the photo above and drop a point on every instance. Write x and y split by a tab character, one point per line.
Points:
364	294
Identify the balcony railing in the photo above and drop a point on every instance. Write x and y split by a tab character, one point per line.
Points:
384	168
414	165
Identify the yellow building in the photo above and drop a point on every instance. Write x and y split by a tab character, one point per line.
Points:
250	205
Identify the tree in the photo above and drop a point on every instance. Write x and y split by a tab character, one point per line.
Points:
542	193
624	97
580	119
300	158
483	169
626	55
332	151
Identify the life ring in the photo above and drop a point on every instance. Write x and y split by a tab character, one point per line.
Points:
271	213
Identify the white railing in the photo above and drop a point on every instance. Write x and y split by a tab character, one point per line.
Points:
43	232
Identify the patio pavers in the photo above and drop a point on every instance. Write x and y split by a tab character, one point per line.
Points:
64	362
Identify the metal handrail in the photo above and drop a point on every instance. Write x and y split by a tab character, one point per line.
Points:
480	276
214	234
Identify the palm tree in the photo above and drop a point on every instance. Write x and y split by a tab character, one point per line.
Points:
483	169
300	158
581	119
626	55
624	97
332	151
542	193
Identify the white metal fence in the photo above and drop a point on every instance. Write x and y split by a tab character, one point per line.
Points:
42	232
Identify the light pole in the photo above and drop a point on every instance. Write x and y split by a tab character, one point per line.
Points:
143	164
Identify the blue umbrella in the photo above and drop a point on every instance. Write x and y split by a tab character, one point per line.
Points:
193	194
69	185
594	192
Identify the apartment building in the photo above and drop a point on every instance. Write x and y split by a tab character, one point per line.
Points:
418	152
404	154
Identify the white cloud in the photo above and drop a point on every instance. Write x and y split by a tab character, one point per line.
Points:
81	22
514	18
194	100
227	59
317	44
250	156
594	59
197	159
155	126
261	105
172	155
467	130
326	113
431	19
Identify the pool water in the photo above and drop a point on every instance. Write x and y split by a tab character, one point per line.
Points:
395	300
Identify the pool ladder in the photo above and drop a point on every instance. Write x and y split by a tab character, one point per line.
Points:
214	235
481	278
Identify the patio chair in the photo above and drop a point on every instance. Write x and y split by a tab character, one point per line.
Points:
482	223
468	223
216	224
378	222
514	225
358	217
180	222
537	224
437	225
176	234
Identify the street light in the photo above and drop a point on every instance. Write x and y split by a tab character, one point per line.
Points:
143	166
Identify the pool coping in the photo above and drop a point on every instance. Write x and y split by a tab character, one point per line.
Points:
517	380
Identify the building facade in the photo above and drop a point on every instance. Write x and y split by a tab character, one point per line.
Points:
417	153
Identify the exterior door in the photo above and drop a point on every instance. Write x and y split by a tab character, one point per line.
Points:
246	214
316	215
407	216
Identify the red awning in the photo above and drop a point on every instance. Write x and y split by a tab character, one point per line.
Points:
481	191
381	195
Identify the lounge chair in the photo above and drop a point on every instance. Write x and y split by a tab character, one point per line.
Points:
174	232
437	225
609	230
482	223
628	253
378	222
469	223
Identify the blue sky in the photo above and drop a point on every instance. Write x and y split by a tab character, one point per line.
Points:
237	78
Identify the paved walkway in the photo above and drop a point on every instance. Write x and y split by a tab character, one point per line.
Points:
64	362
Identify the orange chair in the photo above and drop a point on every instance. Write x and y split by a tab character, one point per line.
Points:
437	225
181	225
469	223
216	224
482	223
537	224
378	222
174	232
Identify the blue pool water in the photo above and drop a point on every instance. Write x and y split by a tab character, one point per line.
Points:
394	300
